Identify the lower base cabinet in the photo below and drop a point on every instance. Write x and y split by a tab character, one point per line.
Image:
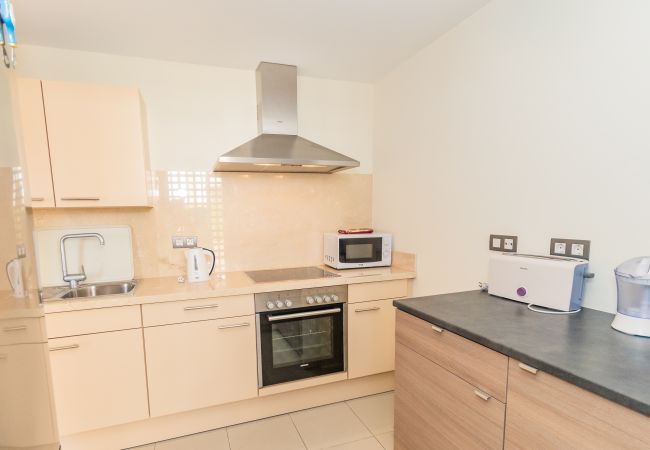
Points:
436	409
99	380
371	338
548	413
200	364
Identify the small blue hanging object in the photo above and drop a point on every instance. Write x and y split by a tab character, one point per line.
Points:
8	32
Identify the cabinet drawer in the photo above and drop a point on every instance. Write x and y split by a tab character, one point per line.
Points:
379	290
22	331
478	365
194	310
74	323
436	409
546	412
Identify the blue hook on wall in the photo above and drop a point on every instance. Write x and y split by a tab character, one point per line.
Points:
8	32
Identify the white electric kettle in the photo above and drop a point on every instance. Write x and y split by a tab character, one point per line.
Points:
197	264
14	270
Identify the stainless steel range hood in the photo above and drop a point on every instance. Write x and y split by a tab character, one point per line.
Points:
279	148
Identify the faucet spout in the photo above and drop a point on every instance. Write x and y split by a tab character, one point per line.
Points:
74	278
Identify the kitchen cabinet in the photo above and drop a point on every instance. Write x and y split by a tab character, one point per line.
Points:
436	409
546	412
199	364
31	115
378	290
371	338
88	148
99	380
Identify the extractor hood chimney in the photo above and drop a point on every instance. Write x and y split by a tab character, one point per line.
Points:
278	148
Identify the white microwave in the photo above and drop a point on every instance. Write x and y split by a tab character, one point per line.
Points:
352	251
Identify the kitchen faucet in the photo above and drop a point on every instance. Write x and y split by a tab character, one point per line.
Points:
75	278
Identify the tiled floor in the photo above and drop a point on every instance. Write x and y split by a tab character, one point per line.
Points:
361	424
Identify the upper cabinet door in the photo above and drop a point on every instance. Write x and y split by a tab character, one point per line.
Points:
34	141
97	145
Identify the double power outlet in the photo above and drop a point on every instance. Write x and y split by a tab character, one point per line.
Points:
185	241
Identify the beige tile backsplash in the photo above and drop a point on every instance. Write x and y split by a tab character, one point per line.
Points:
251	221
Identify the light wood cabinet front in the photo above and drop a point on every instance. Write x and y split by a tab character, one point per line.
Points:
548	413
436	409
99	380
97	146
33	133
200	364
371	338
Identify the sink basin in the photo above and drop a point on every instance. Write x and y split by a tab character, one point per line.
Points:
95	290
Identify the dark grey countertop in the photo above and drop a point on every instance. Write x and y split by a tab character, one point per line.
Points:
580	348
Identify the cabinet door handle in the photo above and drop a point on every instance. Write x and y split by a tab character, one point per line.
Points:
436	328
192	308
90	199
64	347
528	368
38	199
234	325
18	328
374	308
482	395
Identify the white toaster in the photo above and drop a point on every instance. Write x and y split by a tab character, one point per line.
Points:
548	281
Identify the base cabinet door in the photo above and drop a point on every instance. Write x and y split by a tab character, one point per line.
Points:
200	364
548	413
99	380
371	338
436	409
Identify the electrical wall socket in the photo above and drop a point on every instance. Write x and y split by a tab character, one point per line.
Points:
572	248
184	241
21	251
503	243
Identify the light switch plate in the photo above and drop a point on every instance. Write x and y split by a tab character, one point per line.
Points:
503	243
572	248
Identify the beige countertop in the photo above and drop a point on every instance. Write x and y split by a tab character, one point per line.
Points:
17	308
167	289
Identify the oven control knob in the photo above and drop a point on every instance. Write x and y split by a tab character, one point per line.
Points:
335	298
270	305
327	299
310	300
288	303
279	303
319	299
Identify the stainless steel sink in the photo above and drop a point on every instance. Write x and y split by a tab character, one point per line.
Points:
96	290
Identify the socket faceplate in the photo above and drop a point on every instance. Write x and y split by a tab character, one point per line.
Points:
503	243
571	248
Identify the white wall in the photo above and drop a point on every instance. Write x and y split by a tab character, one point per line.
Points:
531	117
195	112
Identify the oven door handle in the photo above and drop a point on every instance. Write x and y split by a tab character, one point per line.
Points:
304	314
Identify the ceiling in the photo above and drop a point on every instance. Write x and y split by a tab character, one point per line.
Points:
358	40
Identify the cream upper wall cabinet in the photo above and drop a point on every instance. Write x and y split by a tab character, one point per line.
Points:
34	140
97	145
99	380
199	364
371	338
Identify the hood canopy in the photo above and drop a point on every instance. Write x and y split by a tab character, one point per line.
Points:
279	148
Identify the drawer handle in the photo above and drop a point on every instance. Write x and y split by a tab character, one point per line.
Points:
528	368
18	328
38	199
234	325
192	308
374	308
64	347
72	199
482	395
436	328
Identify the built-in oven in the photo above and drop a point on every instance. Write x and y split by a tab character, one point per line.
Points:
300	333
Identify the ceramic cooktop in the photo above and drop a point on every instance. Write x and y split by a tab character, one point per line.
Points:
295	273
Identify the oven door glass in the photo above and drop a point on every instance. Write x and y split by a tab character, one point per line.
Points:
301	343
360	250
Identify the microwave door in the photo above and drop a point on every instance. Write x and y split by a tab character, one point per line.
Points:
364	250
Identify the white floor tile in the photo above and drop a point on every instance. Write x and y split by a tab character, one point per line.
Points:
210	440
330	425
376	411
364	444
274	433
387	440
